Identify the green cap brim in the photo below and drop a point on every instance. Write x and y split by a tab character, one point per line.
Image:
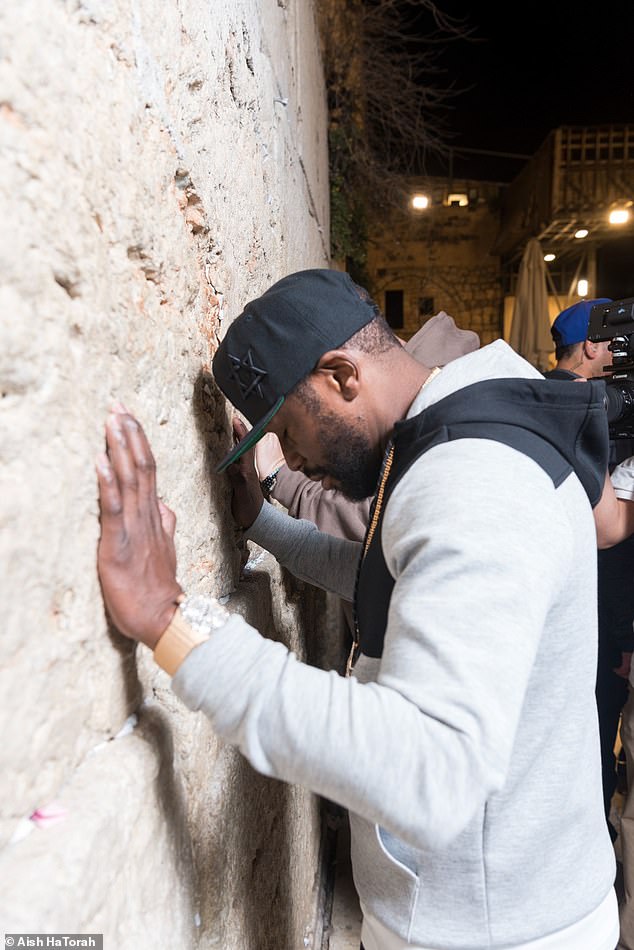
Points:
251	438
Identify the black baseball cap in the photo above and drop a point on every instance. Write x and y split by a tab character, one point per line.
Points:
278	340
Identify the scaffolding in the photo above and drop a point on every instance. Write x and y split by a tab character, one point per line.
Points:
573	181
570	186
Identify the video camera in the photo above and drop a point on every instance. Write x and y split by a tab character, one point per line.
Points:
615	322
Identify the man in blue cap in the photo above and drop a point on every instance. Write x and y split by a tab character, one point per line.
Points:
577	356
581	358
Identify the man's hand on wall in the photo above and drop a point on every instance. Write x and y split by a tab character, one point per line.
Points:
247	496
136	558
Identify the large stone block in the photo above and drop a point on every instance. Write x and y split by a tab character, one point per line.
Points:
159	165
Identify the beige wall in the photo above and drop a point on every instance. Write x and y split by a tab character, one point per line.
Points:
161	163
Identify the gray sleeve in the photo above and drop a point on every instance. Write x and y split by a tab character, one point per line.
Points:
420	750
311	555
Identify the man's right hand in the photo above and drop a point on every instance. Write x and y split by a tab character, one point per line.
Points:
136	557
247	497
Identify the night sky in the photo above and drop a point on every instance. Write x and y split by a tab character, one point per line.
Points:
537	66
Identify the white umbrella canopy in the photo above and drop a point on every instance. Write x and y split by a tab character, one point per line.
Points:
530	326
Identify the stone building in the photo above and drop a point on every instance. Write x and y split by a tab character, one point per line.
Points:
160	165
436	253
456	244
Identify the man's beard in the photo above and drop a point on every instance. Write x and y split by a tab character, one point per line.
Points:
349	457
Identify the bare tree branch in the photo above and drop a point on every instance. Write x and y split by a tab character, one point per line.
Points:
389	97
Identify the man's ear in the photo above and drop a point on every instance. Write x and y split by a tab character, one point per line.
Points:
339	371
590	349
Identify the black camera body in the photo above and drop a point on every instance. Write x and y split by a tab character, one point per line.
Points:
615	322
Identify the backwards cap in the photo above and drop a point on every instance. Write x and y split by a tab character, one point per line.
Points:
571	326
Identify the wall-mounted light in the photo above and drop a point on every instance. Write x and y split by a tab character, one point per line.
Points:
420	202
582	287
458	199
549	257
619	215
581	233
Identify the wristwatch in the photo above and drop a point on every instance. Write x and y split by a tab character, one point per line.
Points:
267	484
191	625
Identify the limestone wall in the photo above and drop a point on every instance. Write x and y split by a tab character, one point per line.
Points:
160	163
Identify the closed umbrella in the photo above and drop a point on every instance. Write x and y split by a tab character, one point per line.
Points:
530	327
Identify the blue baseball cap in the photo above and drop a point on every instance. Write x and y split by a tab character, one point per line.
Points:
571	326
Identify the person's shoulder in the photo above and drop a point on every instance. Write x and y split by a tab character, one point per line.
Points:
564	374
478	488
496	360
473	472
440	341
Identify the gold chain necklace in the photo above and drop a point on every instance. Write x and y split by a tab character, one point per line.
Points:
376	514
379	501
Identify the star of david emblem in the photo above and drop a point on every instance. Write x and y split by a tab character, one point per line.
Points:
247	375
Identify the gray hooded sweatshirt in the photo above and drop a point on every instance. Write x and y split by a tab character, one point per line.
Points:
468	755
